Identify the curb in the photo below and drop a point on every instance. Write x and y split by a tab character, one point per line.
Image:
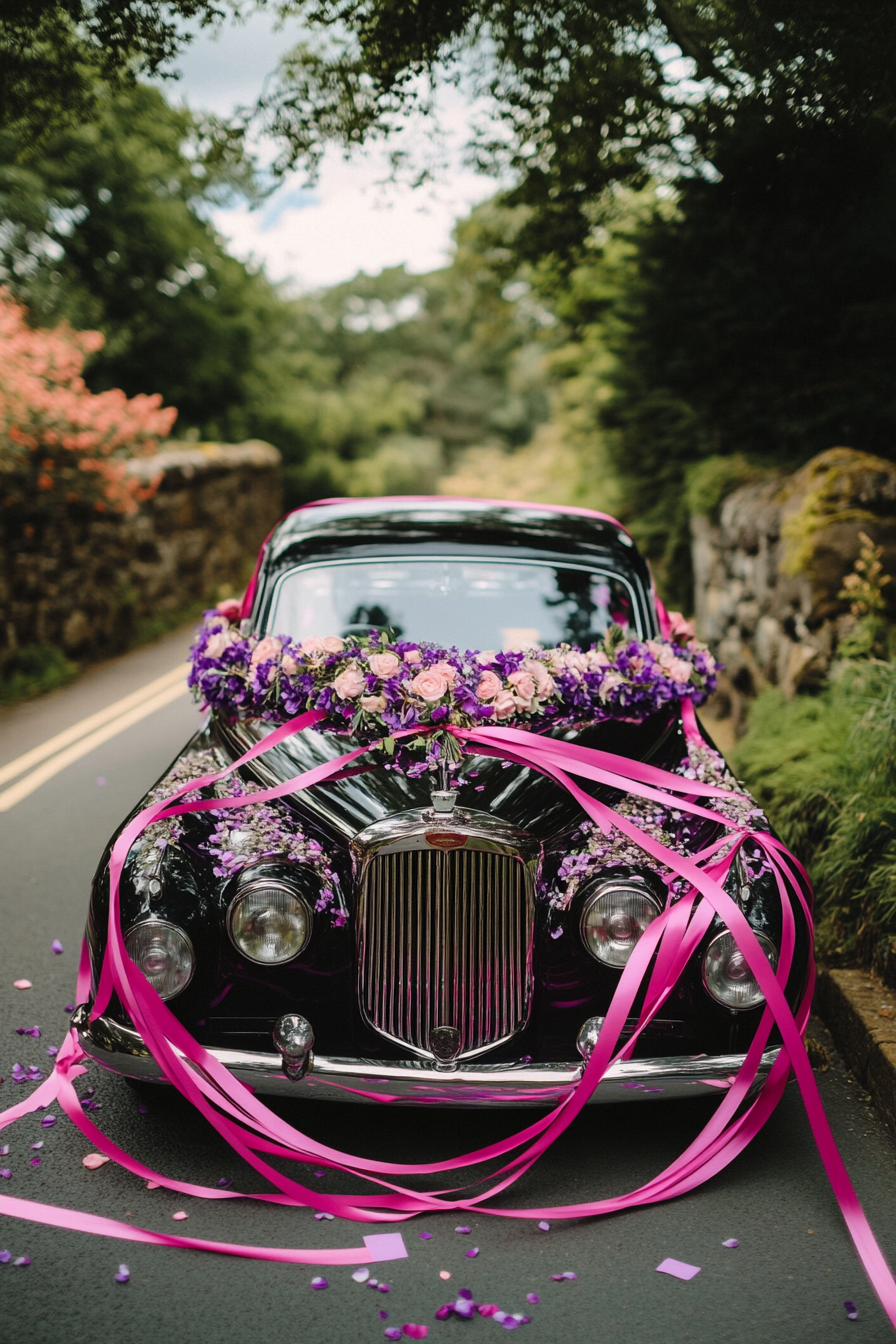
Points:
856	1008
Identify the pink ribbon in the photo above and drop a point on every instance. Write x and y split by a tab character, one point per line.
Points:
253	1130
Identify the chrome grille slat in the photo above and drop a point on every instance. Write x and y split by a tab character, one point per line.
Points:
445	939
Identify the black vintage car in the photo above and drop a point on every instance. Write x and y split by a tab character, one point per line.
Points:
394	936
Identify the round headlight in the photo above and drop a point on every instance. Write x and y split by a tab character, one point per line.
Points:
614	919
164	954
727	975
268	922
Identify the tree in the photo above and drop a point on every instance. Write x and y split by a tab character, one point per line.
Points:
57	55
584	95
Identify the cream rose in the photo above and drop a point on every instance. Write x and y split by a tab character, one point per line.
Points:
333	644
266	648
215	646
350	683
544	682
505	705
447	671
430	685
384	664
490	685
312	647
679	671
289	665
374	704
413	656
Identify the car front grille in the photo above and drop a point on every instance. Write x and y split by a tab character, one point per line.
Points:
445	939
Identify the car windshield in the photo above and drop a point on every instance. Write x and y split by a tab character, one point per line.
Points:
470	604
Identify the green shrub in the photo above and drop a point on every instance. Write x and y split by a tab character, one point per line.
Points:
33	671
824	768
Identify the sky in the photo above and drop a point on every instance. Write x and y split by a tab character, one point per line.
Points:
349	221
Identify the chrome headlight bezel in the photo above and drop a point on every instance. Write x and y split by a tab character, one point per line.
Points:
156	923
251	886
725	939
603	890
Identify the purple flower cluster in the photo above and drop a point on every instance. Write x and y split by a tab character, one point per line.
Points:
375	688
465	1308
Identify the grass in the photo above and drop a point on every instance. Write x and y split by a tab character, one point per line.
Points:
35	671
824	768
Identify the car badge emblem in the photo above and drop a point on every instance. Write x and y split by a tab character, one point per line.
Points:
444	839
445	1043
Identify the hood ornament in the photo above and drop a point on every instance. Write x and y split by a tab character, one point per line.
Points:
444	797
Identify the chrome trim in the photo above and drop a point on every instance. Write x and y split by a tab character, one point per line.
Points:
445	928
415	1083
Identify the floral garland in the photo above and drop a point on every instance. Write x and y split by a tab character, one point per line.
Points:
375	688
241	836
664	824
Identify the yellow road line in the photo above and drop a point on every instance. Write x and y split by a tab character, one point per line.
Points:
56	763
177	675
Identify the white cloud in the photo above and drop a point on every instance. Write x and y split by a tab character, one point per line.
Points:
350	220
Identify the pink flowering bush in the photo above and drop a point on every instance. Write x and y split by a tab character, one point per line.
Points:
62	445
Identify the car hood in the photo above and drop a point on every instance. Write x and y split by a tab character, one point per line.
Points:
370	792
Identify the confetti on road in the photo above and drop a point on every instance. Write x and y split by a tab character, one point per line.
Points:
48	1121
567	1274
415	1331
22	1260
123	1274
57	946
533	1299
361	1275
93	1161
677	1269
852	1311
153	1185
319	1283
426	1236
179	1216
464	1231
21	984
443	1274
731	1243
544	1227
472	1253
5	1257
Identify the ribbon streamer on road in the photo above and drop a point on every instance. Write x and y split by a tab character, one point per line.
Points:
256	1133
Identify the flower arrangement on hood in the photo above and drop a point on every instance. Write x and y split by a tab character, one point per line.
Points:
373	687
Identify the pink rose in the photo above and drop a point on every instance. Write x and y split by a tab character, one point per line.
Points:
312	647
666	658
575	661
266	648
609	683
544	682
384	664
447	671
350	683
505	705
230	609
289	665
413	656
333	644
487	656
430	685
679	671
679	628
215	646
489	686
374	704
523	684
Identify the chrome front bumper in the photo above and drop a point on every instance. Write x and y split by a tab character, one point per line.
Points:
416	1083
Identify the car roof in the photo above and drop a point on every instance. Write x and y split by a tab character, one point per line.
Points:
339	529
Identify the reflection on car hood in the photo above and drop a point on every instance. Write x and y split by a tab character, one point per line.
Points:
518	794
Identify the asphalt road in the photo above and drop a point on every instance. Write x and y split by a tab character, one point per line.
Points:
786	1282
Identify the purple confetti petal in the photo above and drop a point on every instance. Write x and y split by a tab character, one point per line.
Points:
415	1331
852	1311
472	1253
5	1257
34	1162
383	1315
319	1283
361	1275
39	1144
426	1236
22	1260
123	1274
533	1299
567	1274
5	1173
225	1183
678	1269
392	1332
142	1108
489	1309
463	1230
52	1051
373	1283
319	1217
731	1243
48	1121
4	1150
384	1287
69	1008
57	946
544	1227
318	1173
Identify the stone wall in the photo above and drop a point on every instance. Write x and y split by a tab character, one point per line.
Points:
768	573
87	585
